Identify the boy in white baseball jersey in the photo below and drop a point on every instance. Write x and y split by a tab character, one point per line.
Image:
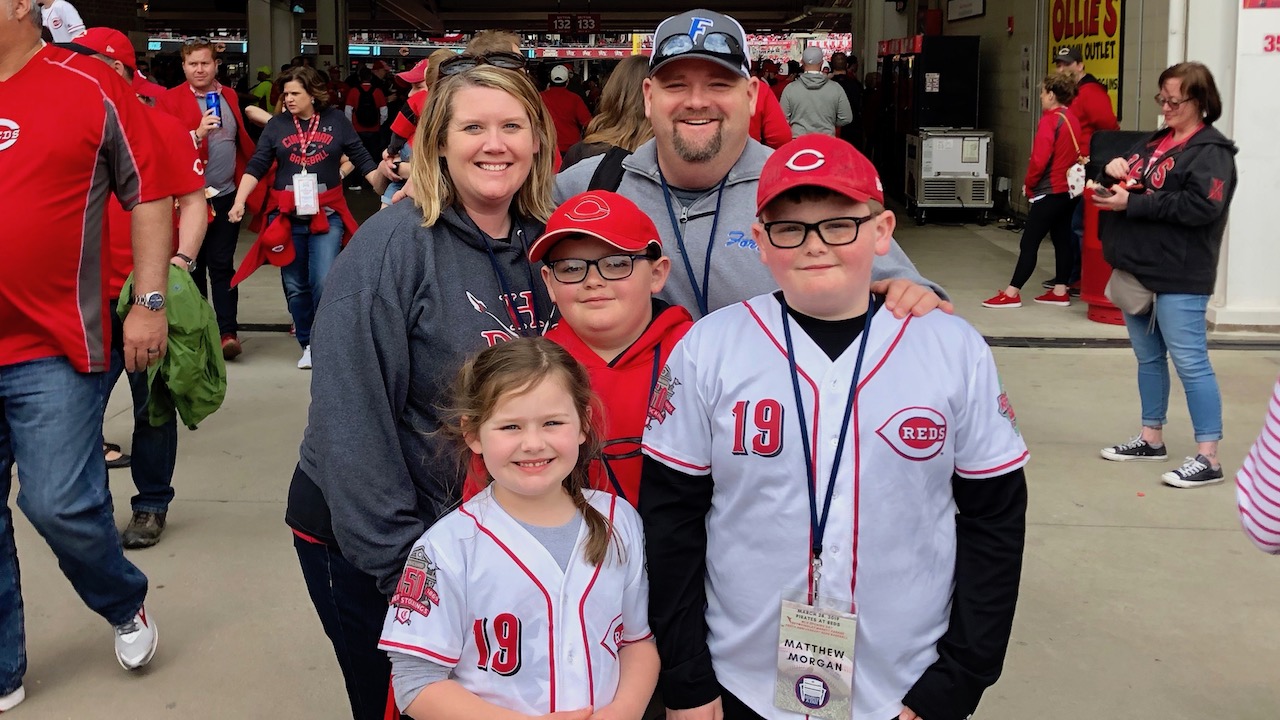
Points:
531	598
827	467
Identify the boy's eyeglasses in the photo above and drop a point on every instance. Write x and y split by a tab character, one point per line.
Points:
787	234
1173	104
572	271
462	63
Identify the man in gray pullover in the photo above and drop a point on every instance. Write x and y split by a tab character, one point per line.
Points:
814	104
697	178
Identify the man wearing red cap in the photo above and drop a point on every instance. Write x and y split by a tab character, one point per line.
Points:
55	344
154	448
865	473
568	110
225	149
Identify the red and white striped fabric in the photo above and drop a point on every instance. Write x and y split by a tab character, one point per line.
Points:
1258	483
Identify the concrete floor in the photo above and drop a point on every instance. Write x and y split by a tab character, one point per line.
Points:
1137	600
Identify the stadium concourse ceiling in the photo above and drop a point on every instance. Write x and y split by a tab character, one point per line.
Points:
439	16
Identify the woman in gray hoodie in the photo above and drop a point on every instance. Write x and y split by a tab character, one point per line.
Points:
422	285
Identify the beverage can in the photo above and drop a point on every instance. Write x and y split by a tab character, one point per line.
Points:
213	101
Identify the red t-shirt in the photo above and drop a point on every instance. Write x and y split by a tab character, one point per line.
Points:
353	100
179	167
569	113
71	133
401	125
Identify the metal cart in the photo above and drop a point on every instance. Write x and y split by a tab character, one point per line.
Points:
949	168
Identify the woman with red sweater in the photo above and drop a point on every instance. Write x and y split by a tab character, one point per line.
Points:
1055	150
310	138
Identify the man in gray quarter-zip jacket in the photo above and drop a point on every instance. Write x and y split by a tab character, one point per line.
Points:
702	159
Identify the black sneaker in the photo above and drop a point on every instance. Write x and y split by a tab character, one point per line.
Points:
1195	472
1136	449
1048	284
143	531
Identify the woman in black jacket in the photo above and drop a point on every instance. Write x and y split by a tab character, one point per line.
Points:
1170	199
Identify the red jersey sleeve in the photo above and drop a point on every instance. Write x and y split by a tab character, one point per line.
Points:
180	168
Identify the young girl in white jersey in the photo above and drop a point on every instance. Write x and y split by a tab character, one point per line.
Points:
531	599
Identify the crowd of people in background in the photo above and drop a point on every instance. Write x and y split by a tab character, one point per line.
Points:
534	462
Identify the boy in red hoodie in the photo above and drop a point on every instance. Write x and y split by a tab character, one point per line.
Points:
603	264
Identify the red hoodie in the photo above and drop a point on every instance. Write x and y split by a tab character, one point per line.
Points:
623	386
1092	106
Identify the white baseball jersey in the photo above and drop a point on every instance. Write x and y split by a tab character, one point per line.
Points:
63	21
480	595
930	404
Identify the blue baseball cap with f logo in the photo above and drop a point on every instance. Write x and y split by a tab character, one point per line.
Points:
702	34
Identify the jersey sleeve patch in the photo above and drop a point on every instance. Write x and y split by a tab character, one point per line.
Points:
416	593
988	442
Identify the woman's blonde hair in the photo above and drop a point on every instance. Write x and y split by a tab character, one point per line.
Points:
621	121
514	368
433	185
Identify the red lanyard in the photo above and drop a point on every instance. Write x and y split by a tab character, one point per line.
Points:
305	147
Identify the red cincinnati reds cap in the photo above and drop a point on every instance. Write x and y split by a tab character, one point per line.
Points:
821	161
105	41
603	215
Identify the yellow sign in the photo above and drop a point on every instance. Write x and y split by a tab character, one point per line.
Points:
1094	29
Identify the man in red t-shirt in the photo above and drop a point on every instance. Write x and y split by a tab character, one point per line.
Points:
56	339
363	101
568	111
154	448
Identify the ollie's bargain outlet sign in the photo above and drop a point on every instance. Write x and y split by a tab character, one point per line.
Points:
1094	27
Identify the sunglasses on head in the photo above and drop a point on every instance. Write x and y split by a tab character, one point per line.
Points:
464	62
197	41
712	44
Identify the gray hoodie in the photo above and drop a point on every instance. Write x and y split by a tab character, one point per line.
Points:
815	105
735	273
403	307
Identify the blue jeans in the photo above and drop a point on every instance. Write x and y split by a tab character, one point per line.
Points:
51	425
154	449
304	277
1179	332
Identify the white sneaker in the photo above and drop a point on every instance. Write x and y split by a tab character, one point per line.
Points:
10	701
305	362
136	641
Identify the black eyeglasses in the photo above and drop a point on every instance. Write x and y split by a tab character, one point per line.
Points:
787	234
1174	104
197	41
462	63
572	271
712	43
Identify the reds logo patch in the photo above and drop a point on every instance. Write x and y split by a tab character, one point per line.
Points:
660	402
9	132
612	641
590	207
416	592
915	433
1006	410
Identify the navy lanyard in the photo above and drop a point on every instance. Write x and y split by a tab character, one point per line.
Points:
818	524
653	383
700	294
522	329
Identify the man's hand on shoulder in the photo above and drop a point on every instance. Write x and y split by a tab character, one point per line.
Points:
713	710
904	297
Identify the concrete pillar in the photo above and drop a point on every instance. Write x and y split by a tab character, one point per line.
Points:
286	32
1234	43
275	33
332	31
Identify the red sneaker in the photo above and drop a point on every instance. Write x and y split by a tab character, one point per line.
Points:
231	347
1000	300
1048	298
